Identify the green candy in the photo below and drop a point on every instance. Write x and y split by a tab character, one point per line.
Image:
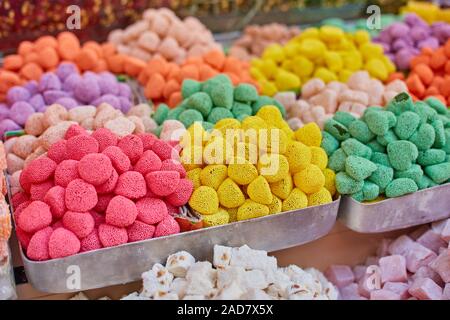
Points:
431	157
344	118
329	143
424	137
347	185
360	131
280	107
425	112
207	125
407	124
161	113
359	168
445	121
376	146
382	176
372	109
189	87
337	130
241	108
389	137
261	102
415	173
438	127
392	119
188	117
399	187
446	148
424	182
336	162
401	103
175	112
378	122
437	105
353	147
439	173
201	102
402	154
245	93
242	117
211	83
358	196
157	131
370	191
222	95
380	158
217	114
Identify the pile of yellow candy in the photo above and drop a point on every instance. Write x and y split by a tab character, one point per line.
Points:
327	53
287	173
429	12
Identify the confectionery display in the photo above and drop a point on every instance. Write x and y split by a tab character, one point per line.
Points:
173	144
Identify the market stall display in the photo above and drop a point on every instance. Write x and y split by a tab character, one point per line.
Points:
430	12
162	33
235	273
327	53
318	101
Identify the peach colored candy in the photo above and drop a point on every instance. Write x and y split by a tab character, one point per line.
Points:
55	114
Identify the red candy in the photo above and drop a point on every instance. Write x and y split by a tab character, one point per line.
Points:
121	212
57	224
80	196
80	223
39	170
63	243
140	231
132	146
38	191
58	151
103	200
74	130
35	216
109	185
24	181
173	165
95	168
105	138
164	150
81	145
167	227
37	248
183	193
147	140
111	236
151	210
163	183
91	242
65	172
19	198
98	218
148	162
131	184
55	200
119	159
24	237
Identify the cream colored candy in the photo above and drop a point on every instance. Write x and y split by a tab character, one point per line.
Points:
8	144
139	125
55	133
312	88
79	114
55	114
149	41
40	151
14	163
24	146
120	126
88	124
140	110
149	124
35	124
327	99
354	96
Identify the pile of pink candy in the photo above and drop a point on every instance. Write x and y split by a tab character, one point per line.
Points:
411	267
98	190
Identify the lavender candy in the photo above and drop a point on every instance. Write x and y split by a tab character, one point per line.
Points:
419	33
37	101
399	30
414	20
8	125
403	57
51	96
4	111
65	69
125	104
108	83
20	111
107	98
124	90
430	42
87	90
68	103
16	94
32	87
49	81
71	81
400	44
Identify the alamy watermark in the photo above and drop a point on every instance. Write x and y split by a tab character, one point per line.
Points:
73	21
374	20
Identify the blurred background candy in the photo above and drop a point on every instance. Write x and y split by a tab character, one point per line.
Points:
430	12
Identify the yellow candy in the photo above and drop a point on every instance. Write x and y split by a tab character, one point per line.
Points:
309	135
256	63
319	157
204	200
331	34
352	60
230	195
320	197
302	66
291	49
192	157
283	187
298	155
308	33
312	48
194	176
273	140
242	171
274	52
253	122
330	178
232	213
217	151
247	151
310	179
217	219
227	123
195	135
287	65
371	50
296	200
259	191
251	209
333	61
270	114
213	175
377	69
344	75
390	66
268	88
275	206
325	74
268	68
285	80
257	74
273	167
361	37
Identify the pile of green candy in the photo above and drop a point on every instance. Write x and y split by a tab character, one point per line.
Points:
213	100
393	151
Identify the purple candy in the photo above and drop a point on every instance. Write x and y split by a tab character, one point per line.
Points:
108	84
414	20
384	36
68	103
402	58
51	96
124	90
32	87
125	104
400	44
108	98
65	69
71	82
49	81
37	101
91	75
20	111
419	33
16	94
4	111
399	30
430	42
87	90
8	125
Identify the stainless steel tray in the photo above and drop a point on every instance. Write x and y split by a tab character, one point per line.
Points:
125	263
396	213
